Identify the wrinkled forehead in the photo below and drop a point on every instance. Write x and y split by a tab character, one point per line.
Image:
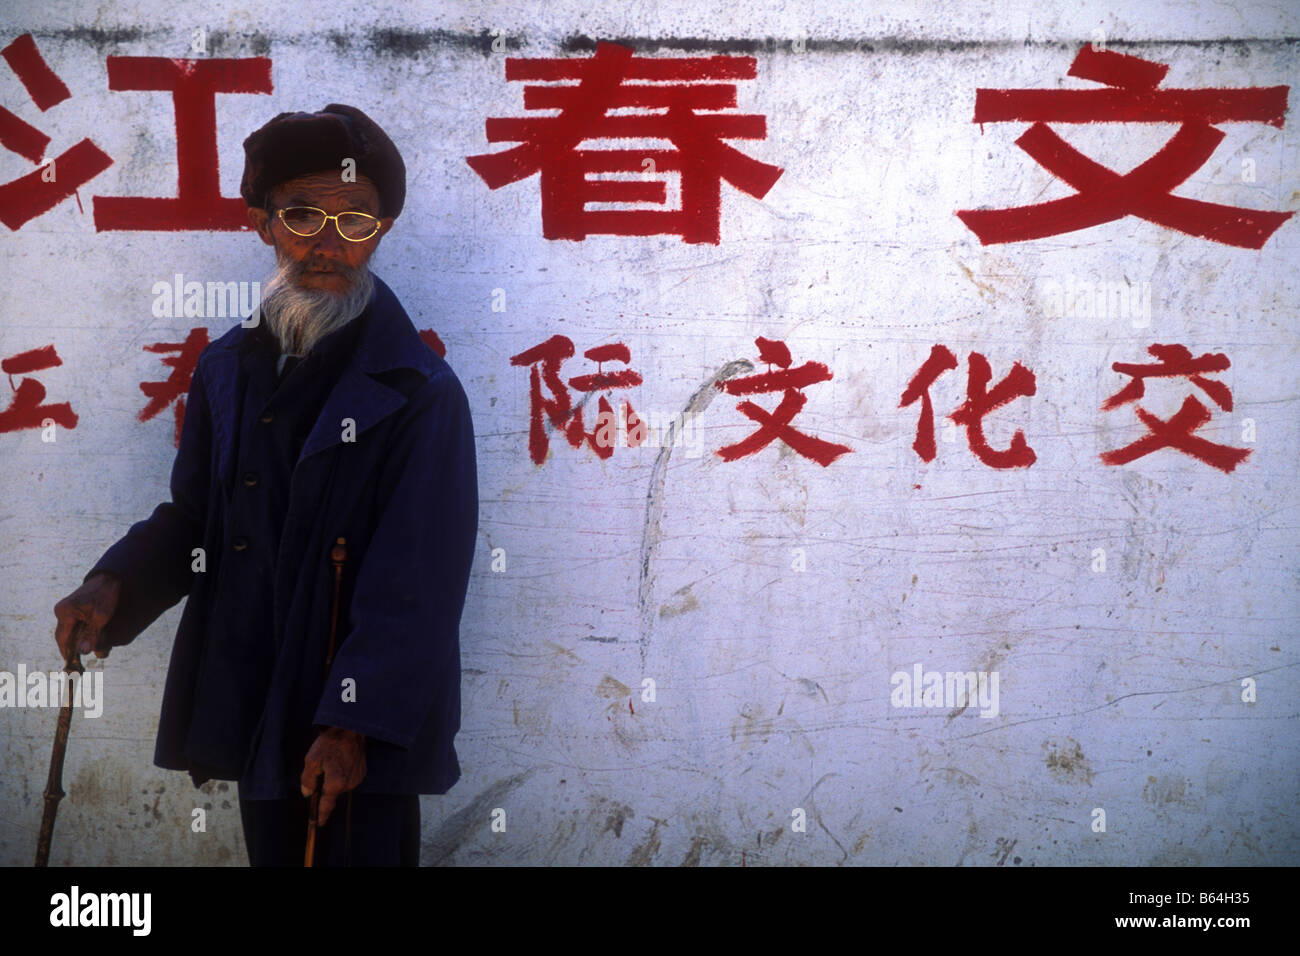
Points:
327	190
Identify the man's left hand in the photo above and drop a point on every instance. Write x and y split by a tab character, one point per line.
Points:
341	756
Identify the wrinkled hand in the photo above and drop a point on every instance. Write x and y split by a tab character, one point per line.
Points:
93	603
341	756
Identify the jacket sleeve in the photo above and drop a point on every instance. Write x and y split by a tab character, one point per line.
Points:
403	649
154	559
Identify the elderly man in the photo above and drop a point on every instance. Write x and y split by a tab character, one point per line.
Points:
329	419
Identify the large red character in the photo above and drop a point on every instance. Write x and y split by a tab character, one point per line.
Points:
177	385
773	425
194	85
980	401
1145	191
549	144
26	410
1177	432
25	198
550	355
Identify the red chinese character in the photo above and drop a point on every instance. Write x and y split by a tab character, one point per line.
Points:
980	400
549	144
194	85
1176	362
177	385
26	410
1145	191
941	360
559	409
25	198
774	425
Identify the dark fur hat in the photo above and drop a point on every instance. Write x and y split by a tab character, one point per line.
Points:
295	144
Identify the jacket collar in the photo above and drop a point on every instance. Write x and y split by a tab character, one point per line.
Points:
387	341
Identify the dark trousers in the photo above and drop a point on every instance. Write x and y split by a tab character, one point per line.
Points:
385	831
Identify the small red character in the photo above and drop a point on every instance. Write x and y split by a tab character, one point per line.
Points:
980	401
1146	190
559	409
177	385
773	425
27	197
677	89
1177	432
26	410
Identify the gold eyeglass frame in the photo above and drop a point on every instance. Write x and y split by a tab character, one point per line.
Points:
324	222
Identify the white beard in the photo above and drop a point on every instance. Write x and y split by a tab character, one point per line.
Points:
298	317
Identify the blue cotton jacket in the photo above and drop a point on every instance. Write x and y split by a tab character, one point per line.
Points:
389	466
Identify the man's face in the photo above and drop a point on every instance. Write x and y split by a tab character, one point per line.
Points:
324	259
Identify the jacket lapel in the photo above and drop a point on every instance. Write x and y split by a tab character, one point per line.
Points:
388	341
358	397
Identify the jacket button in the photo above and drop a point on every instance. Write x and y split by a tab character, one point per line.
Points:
250	479
240	544
266	418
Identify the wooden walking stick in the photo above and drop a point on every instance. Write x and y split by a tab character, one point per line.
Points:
54	782
338	555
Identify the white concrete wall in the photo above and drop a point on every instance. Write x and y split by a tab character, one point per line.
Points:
1120	690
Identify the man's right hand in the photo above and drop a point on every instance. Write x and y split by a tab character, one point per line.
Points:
94	603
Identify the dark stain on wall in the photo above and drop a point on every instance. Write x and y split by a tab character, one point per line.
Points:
407	43
100	39
896	45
